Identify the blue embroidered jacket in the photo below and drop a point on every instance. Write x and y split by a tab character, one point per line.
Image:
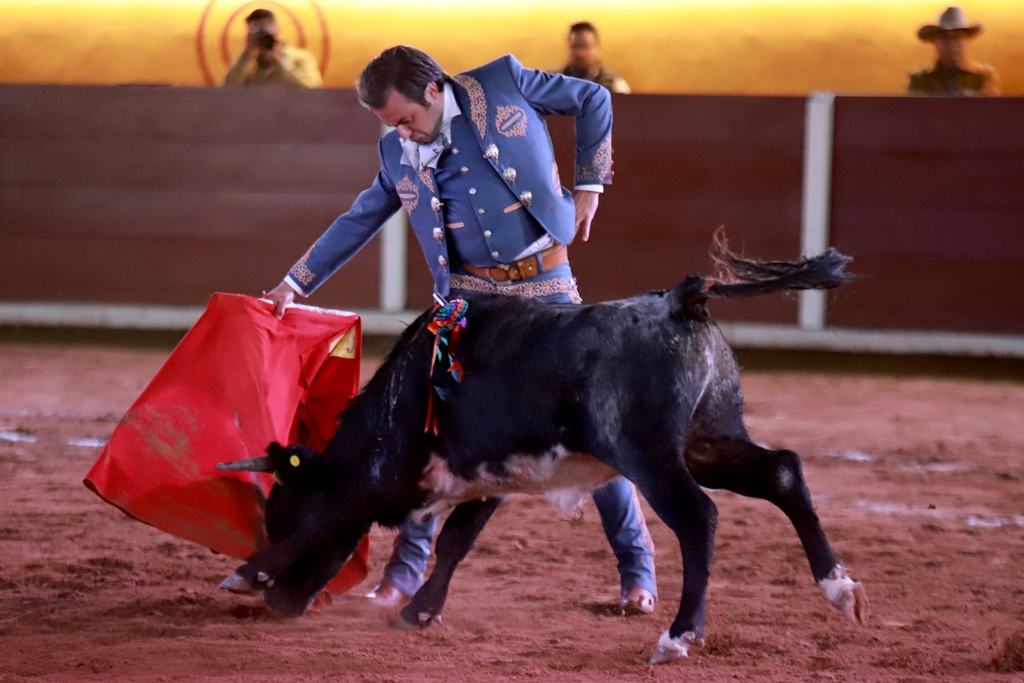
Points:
503	104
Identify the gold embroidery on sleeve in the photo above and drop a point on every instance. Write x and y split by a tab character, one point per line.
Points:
301	272
600	169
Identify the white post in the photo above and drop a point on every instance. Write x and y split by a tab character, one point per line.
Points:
814	233
393	263
393	258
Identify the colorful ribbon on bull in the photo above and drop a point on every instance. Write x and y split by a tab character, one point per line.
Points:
449	320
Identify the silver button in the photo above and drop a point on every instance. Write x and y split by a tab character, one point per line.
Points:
480	211
455	150
494	254
464	169
438	234
487	233
472	190
443	261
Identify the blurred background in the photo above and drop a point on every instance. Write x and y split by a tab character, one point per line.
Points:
786	47
132	188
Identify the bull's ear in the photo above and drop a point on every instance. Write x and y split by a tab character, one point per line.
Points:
276	450
279	455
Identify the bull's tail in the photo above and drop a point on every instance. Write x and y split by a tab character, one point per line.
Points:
738	277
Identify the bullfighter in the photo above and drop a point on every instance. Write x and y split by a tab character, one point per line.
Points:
471	162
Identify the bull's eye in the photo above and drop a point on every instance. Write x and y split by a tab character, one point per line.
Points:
294	460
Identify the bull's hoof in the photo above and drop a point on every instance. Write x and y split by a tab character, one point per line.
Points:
236	583
422	620
287	605
669	648
846	595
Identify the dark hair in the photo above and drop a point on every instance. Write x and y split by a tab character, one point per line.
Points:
259	15
584	26
404	69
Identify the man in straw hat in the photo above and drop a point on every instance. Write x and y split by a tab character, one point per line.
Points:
953	73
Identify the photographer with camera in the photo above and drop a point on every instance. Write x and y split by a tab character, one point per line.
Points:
268	60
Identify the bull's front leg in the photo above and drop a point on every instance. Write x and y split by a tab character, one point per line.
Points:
454	542
676	498
692	515
298	585
262	568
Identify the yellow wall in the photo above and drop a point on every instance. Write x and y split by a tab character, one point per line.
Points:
694	46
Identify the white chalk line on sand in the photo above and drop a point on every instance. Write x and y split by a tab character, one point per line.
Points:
18	411
16	437
982	521
913	465
25	437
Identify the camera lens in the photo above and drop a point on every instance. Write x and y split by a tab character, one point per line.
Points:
266	41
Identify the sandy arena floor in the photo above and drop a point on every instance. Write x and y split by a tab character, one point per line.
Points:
918	483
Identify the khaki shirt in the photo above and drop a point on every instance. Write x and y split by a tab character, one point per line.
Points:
297	69
606	77
974	79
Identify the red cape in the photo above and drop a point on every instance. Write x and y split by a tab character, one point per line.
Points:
238	380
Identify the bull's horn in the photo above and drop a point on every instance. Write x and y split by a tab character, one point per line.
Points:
261	464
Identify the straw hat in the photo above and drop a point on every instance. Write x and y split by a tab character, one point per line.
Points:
953	19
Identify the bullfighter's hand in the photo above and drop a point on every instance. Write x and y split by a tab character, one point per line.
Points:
586	207
282	296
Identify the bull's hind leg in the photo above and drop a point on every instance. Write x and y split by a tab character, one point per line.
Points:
454	542
736	464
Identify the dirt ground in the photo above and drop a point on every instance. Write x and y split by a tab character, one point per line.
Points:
917	481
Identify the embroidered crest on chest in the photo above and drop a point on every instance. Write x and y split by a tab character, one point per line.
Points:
408	193
511	121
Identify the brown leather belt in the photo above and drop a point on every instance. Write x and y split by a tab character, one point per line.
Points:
523	268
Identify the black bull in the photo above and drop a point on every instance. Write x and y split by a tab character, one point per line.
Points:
554	399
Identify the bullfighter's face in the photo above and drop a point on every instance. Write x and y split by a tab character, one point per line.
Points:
415	122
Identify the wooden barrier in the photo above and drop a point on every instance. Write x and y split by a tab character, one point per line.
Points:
166	195
158	195
683	167
928	195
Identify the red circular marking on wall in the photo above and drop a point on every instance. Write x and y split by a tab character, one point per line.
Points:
200	52
325	47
